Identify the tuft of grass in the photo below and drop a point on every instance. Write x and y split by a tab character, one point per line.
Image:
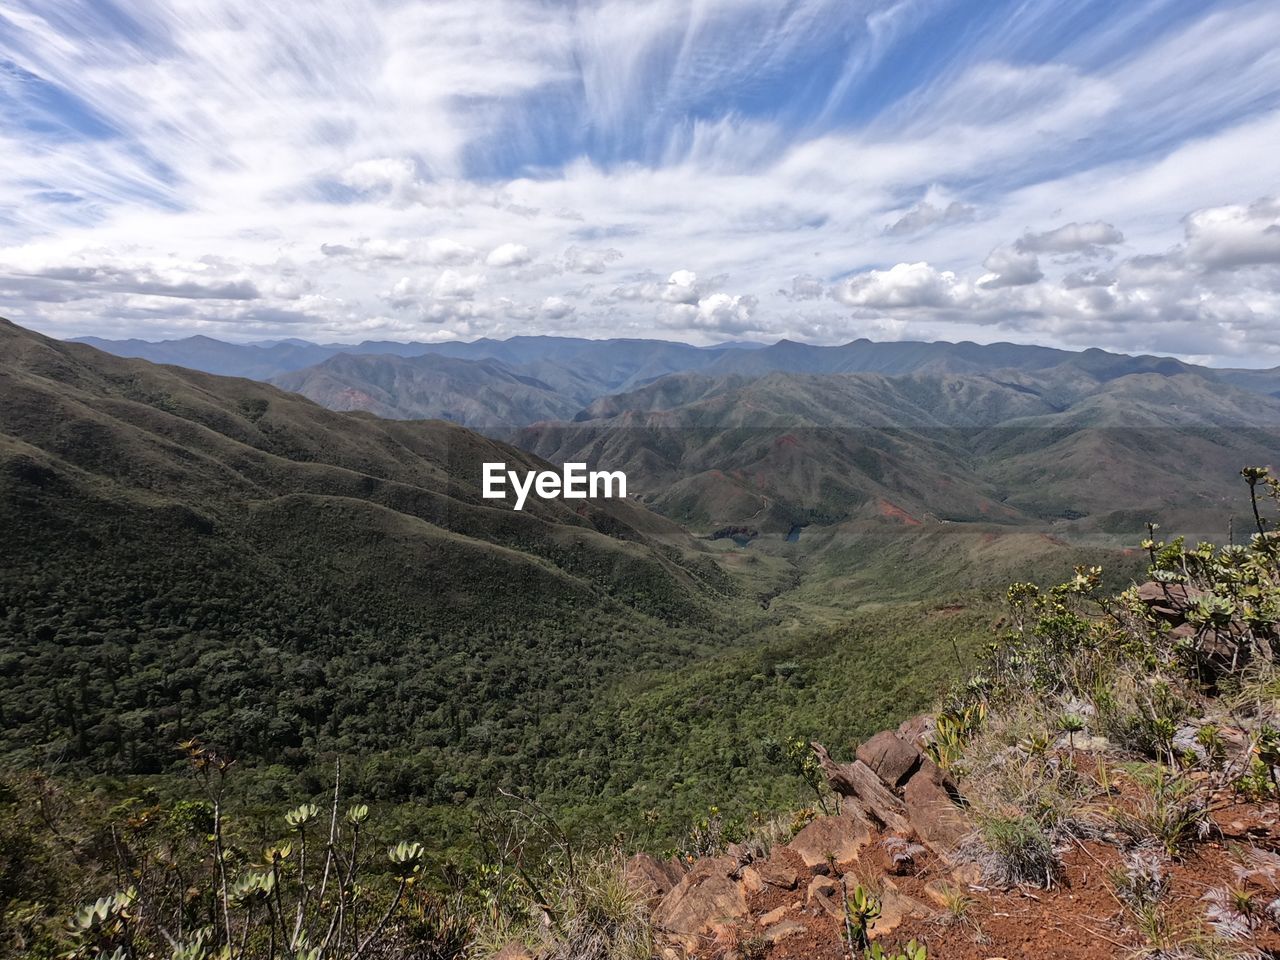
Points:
1169	810
585	913
1018	851
956	904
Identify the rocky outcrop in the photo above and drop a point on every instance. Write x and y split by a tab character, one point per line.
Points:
930	798
650	877
895	907
918	731
890	758
824	894
892	795
858	783
1169	601
901	789
837	840
705	896
758	876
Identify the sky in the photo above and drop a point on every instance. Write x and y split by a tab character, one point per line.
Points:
1075	174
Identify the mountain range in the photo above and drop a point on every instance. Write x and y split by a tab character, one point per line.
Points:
772	438
563	374
1063	444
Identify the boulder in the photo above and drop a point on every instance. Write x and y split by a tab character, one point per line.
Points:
773	916
929	797
891	758
705	896
650	877
840	838
918	731
858	781
1083	742
821	885
1169	601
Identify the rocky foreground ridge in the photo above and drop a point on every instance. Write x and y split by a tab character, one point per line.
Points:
906	866
897	811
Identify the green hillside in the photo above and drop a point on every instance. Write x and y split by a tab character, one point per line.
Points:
190	555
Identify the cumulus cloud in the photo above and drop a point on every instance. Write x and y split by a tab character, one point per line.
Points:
556	308
453	285
442	250
681	287
395	177
1088	277
902	285
730	314
450	285
1222	238
581	260
508	255
1009	267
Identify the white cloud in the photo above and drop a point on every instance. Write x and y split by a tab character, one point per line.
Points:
681	287
902	285
1009	267
926	214
508	255
728	314
275	168
1236	235
556	308
396	177
442	250
453	285
805	287
580	260
1084	238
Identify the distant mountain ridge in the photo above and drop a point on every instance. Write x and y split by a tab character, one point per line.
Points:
561	377
1074	442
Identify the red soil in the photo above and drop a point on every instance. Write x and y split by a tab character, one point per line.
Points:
895	512
1080	918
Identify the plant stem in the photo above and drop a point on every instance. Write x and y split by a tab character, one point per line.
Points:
373	935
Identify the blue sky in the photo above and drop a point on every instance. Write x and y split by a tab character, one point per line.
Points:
1078	174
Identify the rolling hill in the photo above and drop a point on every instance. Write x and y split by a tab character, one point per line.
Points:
190	553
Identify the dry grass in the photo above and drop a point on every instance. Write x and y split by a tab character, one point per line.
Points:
590	914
